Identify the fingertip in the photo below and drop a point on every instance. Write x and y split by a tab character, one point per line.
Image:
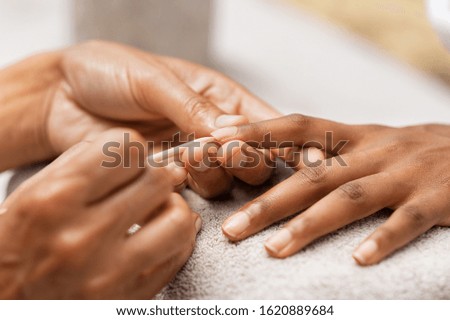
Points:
236	225
227	120
224	134
229	236
198	222
366	253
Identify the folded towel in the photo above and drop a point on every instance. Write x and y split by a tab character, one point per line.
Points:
219	269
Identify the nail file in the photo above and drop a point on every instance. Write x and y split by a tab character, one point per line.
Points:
163	155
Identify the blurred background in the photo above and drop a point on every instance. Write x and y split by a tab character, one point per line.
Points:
349	60
377	61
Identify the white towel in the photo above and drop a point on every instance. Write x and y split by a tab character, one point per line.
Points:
219	269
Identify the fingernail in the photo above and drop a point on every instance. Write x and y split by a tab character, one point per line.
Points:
365	251
229	120
224	132
279	241
198	224
237	224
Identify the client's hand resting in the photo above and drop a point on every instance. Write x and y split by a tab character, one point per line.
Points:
63	233
404	169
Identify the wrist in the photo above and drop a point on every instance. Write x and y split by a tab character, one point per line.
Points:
25	93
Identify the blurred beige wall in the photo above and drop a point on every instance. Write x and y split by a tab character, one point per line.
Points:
400	27
176	27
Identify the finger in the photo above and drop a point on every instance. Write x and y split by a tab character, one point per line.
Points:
190	111
163	235
151	281
292	130
93	170
206	176
177	173
348	203
296	193
246	163
298	157
405	224
135	202
230	96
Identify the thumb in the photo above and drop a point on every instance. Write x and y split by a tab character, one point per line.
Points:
192	112
189	110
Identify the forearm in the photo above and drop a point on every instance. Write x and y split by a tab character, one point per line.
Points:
25	89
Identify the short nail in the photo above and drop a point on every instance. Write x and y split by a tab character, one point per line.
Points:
237	224
198	224
224	132
229	120
279	240
365	251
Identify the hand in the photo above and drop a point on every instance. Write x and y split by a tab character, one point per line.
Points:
63	233
374	167
82	91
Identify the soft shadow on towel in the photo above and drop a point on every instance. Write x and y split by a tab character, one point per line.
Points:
219	269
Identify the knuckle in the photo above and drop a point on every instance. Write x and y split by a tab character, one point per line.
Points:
181	219
298	120
96	287
129	146
300	225
445	182
313	175
384	235
70	246
47	200
353	191
196	106
414	215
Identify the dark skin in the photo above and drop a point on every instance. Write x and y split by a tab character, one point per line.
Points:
408	172
59	228
63	233
57	99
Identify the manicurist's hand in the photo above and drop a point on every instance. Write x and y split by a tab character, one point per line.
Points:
368	168
64	234
54	100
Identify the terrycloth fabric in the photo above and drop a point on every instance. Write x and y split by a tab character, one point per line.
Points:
219	269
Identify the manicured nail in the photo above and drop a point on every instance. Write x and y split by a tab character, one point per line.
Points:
198	224
237	224
229	120
224	133
3	210
279	241
365	251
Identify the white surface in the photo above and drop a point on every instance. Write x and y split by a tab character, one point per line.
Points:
301	64
29	26
439	13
